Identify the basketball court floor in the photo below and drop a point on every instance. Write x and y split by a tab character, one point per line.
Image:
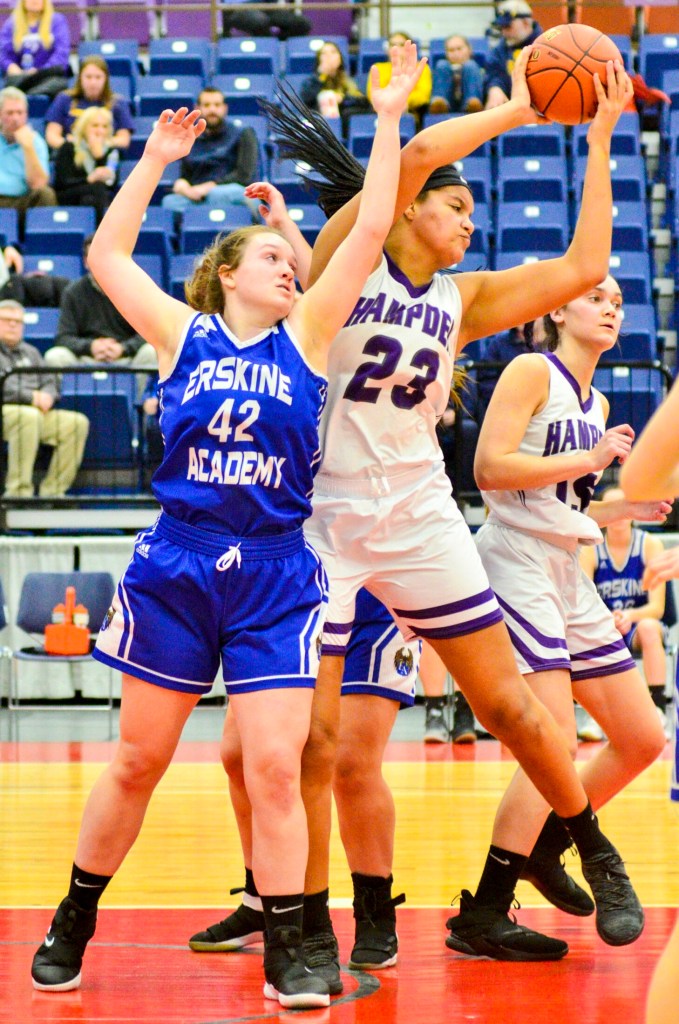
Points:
177	878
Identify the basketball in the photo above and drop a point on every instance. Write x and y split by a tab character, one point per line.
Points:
560	71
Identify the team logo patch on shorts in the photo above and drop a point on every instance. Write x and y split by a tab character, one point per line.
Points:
403	661
108	619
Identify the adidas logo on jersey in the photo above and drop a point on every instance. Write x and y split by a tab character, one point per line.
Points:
144	550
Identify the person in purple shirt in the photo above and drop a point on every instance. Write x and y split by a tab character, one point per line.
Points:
34	47
92	89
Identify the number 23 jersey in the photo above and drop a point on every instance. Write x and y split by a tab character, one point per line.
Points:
390	371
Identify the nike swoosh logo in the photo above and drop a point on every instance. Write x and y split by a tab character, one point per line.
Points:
86	885
285	910
500	860
49	940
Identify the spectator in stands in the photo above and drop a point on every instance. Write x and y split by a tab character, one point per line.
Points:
330	90
92	89
29	418
222	162
458	80
24	160
91	330
36	288
418	101
34	48
515	21
281	17
86	166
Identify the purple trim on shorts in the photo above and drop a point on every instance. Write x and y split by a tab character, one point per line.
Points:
534	661
338	628
546	641
554	359
461	629
149	676
333	651
447	609
601	652
605	670
397	274
405	699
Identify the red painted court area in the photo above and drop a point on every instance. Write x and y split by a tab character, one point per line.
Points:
139	969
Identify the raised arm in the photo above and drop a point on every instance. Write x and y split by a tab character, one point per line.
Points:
494	301
154	315
652	470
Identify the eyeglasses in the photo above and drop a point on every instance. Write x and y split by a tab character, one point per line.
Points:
12	320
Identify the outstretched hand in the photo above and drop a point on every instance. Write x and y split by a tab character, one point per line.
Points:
612	100
272	207
405	72
520	91
174	134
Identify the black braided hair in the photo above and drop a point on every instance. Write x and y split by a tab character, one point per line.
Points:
303	135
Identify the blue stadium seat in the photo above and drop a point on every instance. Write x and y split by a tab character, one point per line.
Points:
54	263
125	87
477	171
250	56
156	236
507	260
657	53
106	398
143	126
156	92
309	218
170	175
260	127
634	394
181	268
632	271
288	176
628	177
241	92
300	56
638	334
183	56
624	44
362	132
540	178
121	55
152	264
480	46
37	108
541	227
371	51
533	140
295	81
57	229
626	139
40	326
9	227
200	224
630	226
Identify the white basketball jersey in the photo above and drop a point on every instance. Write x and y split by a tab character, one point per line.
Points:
390	370
566	425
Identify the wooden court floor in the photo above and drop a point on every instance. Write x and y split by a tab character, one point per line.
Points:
176	880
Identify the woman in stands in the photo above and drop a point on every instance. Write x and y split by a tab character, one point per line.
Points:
92	89
86	166
226	570
330	89
383	514
34	47
542	447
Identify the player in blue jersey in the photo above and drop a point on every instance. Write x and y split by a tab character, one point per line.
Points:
617	566
652	470
226	572
541	449
383	514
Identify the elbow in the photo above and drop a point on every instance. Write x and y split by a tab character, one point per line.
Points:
483	475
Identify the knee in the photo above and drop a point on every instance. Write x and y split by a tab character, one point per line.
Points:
45	196
81	425
648	632
272	781
137	769
59	355
649	743
517	715
353	774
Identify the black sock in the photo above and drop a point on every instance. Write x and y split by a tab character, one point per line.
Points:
378	883
250	887
500	874
435	702
658	696
86	889
585	832
317	913
554	837
283	911
250	894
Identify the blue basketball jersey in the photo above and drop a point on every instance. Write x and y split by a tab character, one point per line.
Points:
621	587
240	425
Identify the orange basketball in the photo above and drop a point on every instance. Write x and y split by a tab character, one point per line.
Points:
560	71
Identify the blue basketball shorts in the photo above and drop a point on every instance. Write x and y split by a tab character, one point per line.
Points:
379	660
190	596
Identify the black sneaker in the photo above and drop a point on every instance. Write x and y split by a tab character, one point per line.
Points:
464	730
547	873
57	964
321	955
485	931
619	914
242	928
287	978
435	725
375	940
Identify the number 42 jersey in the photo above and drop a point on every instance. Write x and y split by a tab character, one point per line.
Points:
390	370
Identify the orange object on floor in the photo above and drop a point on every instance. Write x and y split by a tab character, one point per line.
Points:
68	632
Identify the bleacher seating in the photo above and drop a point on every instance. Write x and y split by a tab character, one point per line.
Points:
533	226
540	178
9	226
533	140
156	92
362	132
241	92
507	260
200	224
249	56
300	52
657	53
630	226
288	176
634	394
152	264
477	171
308	218
632	271
40	326
186	56
106	399
371	51
53	263
625	141
628	177
181	268
57	229
121	55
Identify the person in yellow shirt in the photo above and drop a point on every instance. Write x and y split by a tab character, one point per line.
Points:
418	101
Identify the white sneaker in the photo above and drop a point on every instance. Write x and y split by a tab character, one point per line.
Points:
589	731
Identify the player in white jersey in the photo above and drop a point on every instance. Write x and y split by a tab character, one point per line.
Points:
225	574
541	449
384	516
652	471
